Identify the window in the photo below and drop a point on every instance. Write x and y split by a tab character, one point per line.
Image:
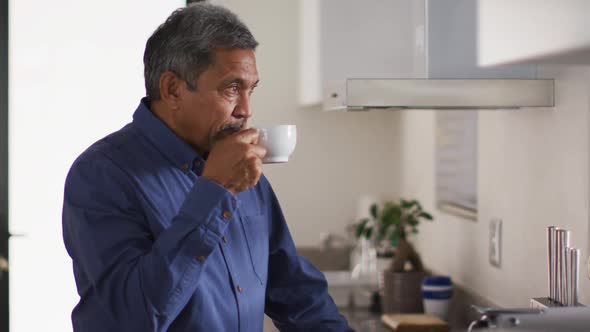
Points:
456	163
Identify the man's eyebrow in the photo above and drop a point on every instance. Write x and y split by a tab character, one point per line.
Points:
239	81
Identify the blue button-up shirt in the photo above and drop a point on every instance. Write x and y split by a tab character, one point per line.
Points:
156	247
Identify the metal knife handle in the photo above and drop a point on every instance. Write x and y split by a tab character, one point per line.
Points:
562	244
551	260
556	272
566	267
568	277
575	278
558	265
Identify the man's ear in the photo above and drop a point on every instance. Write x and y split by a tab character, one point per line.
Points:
170	89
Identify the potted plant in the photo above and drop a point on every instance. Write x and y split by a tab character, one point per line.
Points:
389	227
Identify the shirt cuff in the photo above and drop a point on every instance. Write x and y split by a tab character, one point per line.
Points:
211	205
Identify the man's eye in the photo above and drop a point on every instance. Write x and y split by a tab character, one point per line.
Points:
233	88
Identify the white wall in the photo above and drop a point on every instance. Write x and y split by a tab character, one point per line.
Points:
76	74
533	172
339	156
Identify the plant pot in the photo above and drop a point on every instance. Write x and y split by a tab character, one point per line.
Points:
401	292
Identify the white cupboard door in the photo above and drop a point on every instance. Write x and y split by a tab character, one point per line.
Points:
533	31
368	39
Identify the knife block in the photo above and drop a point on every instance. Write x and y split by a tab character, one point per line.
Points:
545	302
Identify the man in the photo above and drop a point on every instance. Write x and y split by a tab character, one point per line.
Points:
169	221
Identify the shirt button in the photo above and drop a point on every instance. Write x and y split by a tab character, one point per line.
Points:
197	163
184	167
201	259
240	289
226	214
224	240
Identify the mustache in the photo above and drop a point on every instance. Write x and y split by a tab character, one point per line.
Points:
229	129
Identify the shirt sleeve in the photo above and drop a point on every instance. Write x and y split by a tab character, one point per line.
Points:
142	282
297	296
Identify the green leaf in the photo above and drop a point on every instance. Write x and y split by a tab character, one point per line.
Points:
391	212
426	215
390	205
369	233
387	217
373	210
393	239
412	221
360	228
409	204
383	227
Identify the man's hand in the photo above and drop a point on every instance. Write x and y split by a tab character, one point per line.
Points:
235	162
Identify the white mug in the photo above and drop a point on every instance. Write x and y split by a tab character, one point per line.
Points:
279	141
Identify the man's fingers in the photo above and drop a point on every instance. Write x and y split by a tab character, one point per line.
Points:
249	136
259	151
255	172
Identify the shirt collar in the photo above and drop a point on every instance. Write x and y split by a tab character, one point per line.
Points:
163	138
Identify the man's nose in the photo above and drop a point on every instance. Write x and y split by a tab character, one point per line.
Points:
242	109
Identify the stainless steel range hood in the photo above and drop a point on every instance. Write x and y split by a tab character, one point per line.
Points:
427	57
366	94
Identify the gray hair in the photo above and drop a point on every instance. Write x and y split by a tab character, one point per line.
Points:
185	43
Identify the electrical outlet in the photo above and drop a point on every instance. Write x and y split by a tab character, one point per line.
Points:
496	241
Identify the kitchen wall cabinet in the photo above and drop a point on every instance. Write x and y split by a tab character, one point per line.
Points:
534	31
400	39
366	39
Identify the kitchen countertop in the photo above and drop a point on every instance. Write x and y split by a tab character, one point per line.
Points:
360	319
460	314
